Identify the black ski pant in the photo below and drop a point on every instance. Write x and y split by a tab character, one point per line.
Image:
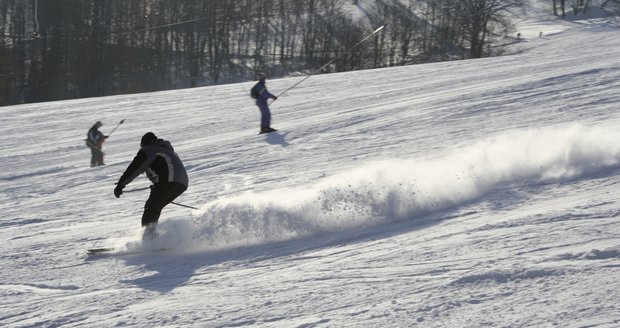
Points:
162	194
96	157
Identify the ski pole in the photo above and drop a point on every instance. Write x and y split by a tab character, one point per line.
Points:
333	60
138	189
175	203
116	127
192	207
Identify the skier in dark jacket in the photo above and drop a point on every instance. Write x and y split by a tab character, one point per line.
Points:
94	141
259	91
164	168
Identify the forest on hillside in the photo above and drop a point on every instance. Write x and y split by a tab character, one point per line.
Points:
64	49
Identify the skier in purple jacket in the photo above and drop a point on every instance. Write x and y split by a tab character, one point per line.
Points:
260	93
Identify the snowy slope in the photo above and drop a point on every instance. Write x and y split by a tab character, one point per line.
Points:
458	194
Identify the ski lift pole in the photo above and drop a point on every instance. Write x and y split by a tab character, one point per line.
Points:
116	127
333	60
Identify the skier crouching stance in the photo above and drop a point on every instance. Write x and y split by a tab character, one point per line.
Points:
165	170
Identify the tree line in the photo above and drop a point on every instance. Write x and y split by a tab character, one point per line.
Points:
63	49
562	7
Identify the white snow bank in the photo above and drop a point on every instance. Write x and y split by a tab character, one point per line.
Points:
410	189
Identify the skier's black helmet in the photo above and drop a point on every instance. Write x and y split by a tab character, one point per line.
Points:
147	139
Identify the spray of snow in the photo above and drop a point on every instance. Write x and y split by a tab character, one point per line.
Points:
396	190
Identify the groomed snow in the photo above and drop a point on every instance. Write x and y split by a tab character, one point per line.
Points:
457	194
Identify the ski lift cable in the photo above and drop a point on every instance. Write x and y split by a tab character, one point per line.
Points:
160	26
36	17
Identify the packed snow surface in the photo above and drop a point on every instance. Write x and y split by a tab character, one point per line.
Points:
457	194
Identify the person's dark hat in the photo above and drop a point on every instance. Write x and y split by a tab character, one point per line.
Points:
98	124
147	139
261	76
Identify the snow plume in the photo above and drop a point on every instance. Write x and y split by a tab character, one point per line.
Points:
173	234
396	190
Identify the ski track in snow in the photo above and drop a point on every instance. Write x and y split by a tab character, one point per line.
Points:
456	194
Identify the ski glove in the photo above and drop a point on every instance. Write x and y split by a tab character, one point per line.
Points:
118	190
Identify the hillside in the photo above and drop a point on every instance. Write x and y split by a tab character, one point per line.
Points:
456	194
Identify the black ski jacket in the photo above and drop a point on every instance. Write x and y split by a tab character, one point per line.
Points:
94	137
160	162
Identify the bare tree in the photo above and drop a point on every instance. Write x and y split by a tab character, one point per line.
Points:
580	6
58	49
482	17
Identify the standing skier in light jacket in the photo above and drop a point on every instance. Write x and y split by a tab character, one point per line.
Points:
260	93
94	141
165	169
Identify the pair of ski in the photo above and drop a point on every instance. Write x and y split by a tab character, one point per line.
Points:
117	251
99	251
268	130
